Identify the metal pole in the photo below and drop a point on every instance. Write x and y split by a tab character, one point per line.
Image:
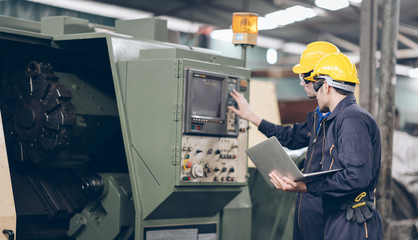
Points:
386	111
244	54
367	69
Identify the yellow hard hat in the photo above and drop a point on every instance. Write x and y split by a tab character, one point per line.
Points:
312	54
338	66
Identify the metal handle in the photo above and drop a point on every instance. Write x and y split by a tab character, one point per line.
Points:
9	233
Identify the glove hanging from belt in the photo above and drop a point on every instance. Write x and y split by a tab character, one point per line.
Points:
358	210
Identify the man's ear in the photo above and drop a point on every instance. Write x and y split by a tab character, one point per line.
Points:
325	88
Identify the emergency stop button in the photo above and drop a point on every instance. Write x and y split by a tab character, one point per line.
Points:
187	164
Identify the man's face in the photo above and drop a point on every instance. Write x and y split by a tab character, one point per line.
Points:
307	85
322	97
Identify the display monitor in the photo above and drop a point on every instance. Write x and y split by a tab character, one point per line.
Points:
206	96
206	103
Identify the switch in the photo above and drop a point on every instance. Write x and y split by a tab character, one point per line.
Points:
186	178
198	151
197	171
230	179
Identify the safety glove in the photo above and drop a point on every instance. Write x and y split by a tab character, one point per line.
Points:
358	210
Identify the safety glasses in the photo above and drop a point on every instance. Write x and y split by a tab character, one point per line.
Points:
318	84
302	77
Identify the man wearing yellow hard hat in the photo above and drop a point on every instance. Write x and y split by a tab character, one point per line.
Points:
308	210
352	144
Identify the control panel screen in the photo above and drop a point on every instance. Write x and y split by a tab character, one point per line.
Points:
206	96
206	101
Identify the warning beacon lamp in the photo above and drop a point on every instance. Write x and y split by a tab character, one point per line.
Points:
244	27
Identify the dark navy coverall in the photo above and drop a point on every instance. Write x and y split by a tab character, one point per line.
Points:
353	143
308	211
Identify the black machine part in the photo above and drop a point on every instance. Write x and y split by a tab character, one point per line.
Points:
93	186
38	116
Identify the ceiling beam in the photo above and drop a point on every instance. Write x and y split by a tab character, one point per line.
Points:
408	42
341	42
409	30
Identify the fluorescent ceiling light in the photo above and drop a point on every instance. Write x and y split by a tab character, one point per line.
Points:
271	56
355	1
222	35
264	24
284	17
281	18
301	13
294	48
413	73
332	4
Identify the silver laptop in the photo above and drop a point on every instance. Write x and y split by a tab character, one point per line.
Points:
269	156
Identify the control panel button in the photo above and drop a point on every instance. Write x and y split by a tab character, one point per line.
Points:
186	178
197	171
187	164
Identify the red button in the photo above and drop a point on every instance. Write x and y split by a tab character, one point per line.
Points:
189	165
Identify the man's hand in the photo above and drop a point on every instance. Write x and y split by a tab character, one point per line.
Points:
244	110
286	184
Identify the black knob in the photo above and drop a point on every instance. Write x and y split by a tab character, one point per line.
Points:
224	169
198	151
216	169
218	152
93	186
210	151
231	169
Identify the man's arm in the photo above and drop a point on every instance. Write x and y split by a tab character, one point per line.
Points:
244	110
292	137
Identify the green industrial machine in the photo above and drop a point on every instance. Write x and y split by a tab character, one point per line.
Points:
120	134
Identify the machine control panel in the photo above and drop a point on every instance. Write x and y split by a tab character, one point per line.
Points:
214	159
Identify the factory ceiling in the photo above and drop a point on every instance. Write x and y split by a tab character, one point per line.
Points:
341	27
